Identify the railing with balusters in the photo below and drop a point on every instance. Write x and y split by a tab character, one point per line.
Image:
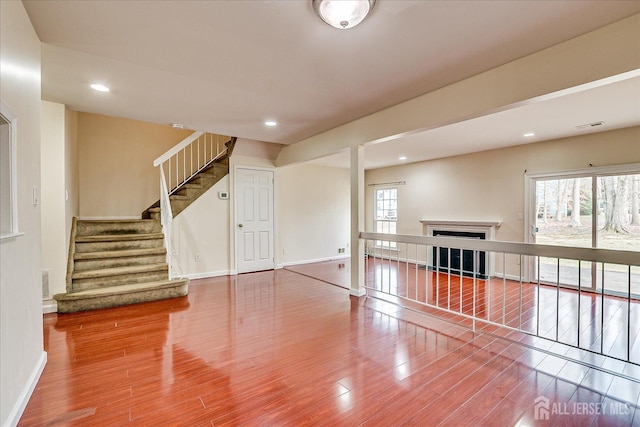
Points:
177	166
192	155
600	313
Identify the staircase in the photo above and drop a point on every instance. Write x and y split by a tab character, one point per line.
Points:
119	262
195	187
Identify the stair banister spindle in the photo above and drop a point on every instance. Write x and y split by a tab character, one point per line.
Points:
217	144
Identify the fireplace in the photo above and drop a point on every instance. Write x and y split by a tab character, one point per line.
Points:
457	261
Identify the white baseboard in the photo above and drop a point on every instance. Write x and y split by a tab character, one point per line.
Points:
109	218
311	261
49	306
27	391
357	292
208	274
508	277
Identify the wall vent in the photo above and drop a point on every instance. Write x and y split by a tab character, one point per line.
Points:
46	292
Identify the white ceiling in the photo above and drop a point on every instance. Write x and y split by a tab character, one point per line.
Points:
227	66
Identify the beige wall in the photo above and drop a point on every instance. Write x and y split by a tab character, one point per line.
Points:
490	185
21	350
116	173
53	176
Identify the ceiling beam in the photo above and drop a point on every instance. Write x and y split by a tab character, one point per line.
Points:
576	64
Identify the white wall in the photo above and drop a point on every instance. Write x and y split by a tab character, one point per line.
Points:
311	210
21	349
72	207
203	229
313	206
490	185
53	175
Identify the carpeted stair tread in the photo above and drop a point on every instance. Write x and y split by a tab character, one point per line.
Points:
178	197
123	289
118	237
106	272
119	254
191	185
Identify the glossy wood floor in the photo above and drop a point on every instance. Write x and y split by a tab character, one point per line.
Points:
282	348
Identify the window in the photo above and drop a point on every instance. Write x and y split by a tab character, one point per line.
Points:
8	198
386	216
596	208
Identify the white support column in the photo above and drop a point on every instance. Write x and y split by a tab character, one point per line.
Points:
357	221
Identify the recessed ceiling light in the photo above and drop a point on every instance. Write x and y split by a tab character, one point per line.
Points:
529	134
99	87
402	158
270	123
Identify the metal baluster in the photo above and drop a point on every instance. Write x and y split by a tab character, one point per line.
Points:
416	279
504	288
629	317
487	282
473	295
602	314
520	304
437	276
579	298
538	302
461	290
449	282
557	298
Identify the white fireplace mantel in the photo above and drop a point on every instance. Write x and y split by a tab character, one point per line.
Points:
448	223
486	227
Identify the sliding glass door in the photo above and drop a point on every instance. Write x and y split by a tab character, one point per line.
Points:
598	210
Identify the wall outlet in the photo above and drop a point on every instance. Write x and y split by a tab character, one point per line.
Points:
341	250
197	257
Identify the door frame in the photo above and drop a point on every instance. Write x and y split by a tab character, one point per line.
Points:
234	220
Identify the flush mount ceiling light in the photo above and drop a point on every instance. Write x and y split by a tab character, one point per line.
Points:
529	134
99	87
343	14
270	123
402	158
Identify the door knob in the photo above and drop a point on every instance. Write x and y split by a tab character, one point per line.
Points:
240	225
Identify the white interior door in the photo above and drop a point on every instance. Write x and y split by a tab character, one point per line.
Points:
254	220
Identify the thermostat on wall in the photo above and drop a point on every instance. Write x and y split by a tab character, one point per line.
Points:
223	195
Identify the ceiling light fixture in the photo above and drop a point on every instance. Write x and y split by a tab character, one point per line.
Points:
529	134
177	126
402	158
343	14
99	87
270	123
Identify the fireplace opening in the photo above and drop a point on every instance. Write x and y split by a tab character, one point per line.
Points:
456	261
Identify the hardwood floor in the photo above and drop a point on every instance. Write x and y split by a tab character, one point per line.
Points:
283	348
